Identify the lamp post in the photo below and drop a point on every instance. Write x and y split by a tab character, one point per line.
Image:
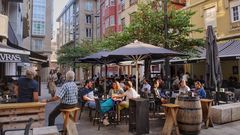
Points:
167	67
74	32
93	16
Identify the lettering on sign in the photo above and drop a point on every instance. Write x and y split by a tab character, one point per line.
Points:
10	57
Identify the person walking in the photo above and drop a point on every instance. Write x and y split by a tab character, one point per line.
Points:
52	78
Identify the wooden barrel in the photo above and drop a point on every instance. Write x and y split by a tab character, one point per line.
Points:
189	116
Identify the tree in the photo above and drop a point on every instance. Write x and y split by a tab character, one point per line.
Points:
148	26
68	54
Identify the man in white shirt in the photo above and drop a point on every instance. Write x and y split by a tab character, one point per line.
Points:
146	88
129	94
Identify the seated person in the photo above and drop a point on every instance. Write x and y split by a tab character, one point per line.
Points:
159	93
26	88
116	89
146	88
129	94
67	96
200	90
88	95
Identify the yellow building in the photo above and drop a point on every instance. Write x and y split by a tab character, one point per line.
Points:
129	7
223	15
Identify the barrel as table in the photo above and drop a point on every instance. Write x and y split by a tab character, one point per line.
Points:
189	116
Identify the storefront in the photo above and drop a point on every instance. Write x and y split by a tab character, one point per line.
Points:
9	57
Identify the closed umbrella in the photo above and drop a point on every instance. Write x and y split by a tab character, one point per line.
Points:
138	51
213	66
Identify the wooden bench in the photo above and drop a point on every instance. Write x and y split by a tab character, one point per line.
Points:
225	113
16	115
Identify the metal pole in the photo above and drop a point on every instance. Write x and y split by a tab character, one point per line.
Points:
167	67
74	33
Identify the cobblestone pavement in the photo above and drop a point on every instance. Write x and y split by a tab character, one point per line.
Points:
86	127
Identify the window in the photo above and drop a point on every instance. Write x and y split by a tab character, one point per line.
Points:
112	20
88	19
107	3
107	23
38	17
38	44
112	2
122	4
89	6
132	2
88	32
123	23
132	16
235	11
210	17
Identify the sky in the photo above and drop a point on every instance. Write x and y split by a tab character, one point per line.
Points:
58	7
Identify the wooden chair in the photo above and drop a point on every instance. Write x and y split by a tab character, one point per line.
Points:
66	115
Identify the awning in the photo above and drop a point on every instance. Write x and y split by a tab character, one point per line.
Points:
9	54
33	55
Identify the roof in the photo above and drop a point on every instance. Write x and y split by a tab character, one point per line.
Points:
226	50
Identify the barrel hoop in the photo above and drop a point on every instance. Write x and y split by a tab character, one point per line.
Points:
183	123
190	108
189	132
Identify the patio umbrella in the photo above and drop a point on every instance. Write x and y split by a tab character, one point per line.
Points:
100	58
138	51
213	66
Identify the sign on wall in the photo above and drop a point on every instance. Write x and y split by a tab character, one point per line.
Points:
12	57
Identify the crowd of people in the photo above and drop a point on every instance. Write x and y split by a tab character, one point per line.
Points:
119	88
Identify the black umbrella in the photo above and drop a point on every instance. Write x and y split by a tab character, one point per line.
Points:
138	51
213	66
100	58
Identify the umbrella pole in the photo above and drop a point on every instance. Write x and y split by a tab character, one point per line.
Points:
105	82
136	75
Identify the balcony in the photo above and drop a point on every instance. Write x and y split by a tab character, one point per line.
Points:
3	26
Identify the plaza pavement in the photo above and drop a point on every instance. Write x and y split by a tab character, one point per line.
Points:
86	127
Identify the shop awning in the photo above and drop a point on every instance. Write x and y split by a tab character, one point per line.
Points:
9	54
33	55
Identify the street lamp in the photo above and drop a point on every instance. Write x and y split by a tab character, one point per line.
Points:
93	16
167	68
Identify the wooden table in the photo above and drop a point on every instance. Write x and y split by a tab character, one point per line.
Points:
206	108
16	115
50	130
171	113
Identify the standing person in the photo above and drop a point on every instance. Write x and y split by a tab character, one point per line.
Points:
68	96
146	88
51	83
185	77
27	88
200	90
183	88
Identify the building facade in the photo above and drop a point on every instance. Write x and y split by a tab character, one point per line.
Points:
39	21
110	11
85	27
217	13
